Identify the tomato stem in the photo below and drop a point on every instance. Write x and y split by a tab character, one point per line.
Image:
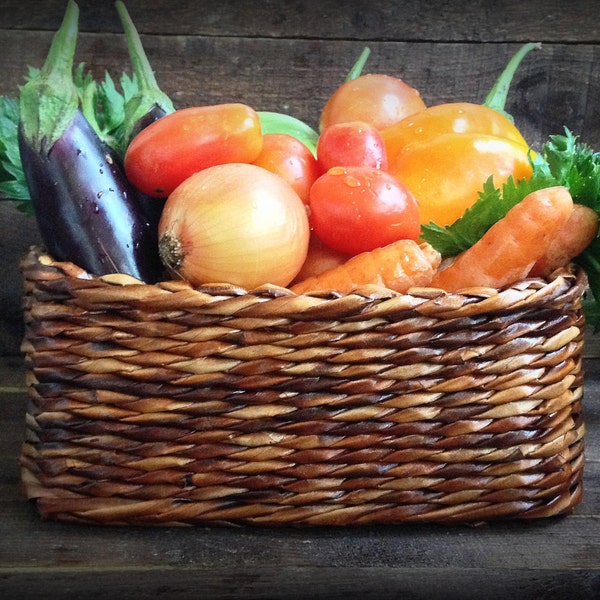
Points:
359	65
497	96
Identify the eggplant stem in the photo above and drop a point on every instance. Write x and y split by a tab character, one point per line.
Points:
139	61
49	100
149	94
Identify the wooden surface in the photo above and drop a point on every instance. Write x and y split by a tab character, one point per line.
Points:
289	57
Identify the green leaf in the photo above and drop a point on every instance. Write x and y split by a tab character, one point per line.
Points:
12	179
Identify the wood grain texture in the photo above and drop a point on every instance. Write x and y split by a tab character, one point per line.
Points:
404	20
289	57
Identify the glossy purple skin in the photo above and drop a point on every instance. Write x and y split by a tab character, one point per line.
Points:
86	209
154	114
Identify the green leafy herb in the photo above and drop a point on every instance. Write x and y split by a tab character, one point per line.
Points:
12	179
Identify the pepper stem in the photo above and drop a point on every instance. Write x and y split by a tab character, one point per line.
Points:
497	96
49	101
359	65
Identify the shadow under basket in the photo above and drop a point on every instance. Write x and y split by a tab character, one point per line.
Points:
167	405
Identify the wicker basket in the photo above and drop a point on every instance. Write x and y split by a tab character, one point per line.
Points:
165	405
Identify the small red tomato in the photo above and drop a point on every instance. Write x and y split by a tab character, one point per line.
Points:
288	157
357	209
351	144
378	99
168	151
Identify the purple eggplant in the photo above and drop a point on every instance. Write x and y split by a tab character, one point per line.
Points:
86	209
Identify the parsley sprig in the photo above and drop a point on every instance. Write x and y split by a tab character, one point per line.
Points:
12	179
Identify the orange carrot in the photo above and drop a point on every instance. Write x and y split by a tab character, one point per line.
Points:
509	249
571	240
398	266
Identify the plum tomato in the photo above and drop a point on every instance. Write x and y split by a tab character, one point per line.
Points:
288	157
351	144
358	209
375	98
168	151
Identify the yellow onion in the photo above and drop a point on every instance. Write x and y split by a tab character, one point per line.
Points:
234	223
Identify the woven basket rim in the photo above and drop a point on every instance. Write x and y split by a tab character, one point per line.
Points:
569	281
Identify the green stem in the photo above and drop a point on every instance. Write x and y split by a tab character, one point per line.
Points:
87	100
359	65
49	100
497	96
148	94
139	60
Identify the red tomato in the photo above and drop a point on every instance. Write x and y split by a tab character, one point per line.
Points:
168	151
357	209
352	144
288	157
378	99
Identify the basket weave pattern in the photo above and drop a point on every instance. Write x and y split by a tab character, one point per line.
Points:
168	405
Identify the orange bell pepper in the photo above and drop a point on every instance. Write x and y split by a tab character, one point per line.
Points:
447	173
446	152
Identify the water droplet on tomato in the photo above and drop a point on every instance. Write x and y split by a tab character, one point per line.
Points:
337	171
351	181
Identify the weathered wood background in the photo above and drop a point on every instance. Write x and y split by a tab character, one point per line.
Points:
289	57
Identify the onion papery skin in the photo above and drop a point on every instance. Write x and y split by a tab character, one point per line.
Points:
235	223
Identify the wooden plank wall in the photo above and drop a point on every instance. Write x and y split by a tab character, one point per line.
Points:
290	56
